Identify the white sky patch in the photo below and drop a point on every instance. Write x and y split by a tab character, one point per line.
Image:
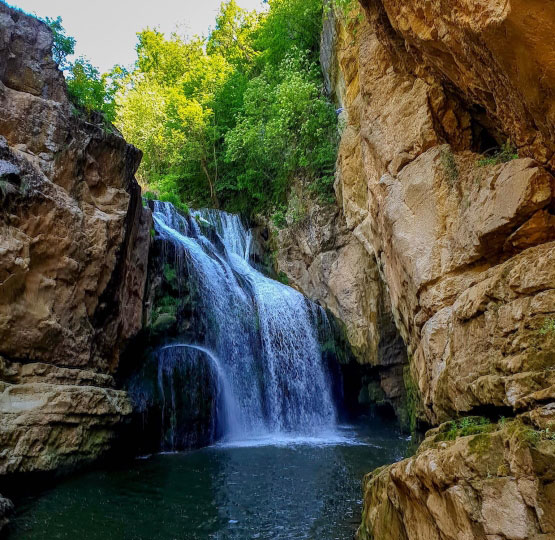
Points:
106	30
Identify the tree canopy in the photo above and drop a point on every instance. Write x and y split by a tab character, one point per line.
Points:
229	120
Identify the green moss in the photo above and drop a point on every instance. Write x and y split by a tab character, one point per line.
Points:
163	322
502	155
548	326
166	305
533	437
371	393
449	165
480	444
333	339
412	403
282	277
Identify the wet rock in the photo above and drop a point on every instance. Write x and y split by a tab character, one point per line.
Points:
6	508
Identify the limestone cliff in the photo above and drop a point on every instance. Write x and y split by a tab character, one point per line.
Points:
464	242
73	252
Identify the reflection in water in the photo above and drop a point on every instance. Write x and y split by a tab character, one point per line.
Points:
281	491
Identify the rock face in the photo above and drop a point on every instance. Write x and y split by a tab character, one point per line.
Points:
73	253
6	508
483	485
464	244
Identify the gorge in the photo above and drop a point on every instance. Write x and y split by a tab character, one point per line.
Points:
219	375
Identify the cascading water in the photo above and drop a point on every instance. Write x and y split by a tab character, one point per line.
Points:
259	336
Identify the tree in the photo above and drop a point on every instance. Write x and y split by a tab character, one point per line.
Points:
90	90
233	119
63	45
232	36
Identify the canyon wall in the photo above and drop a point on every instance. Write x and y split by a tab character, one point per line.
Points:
463	240
74	241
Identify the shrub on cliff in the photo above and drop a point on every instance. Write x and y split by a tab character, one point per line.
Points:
87	88
91	91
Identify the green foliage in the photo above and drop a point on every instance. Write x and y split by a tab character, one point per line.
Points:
412	403
170	274
232	35
232	119
449	165
166	305
469	425
289	23
279	219
149	196
87	88
548	326
62	45
91	91
506	153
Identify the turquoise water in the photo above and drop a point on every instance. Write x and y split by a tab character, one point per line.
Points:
267	489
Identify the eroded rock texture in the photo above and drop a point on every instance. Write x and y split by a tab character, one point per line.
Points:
465	246
73	252
497	484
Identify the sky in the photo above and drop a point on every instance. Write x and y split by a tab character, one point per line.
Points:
105	30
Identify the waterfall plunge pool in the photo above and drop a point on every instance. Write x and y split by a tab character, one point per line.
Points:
266	489
247	379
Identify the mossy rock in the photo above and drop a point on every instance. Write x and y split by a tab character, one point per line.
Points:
163	322
480	444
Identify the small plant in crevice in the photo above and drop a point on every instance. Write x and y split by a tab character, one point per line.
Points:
278	218
531	436
469	425
495	156
282	277
548	326
449	165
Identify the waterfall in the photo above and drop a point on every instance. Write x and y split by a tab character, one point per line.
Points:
258	336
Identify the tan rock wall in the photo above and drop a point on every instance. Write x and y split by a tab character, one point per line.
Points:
496	484
438	223
74	243
465	247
